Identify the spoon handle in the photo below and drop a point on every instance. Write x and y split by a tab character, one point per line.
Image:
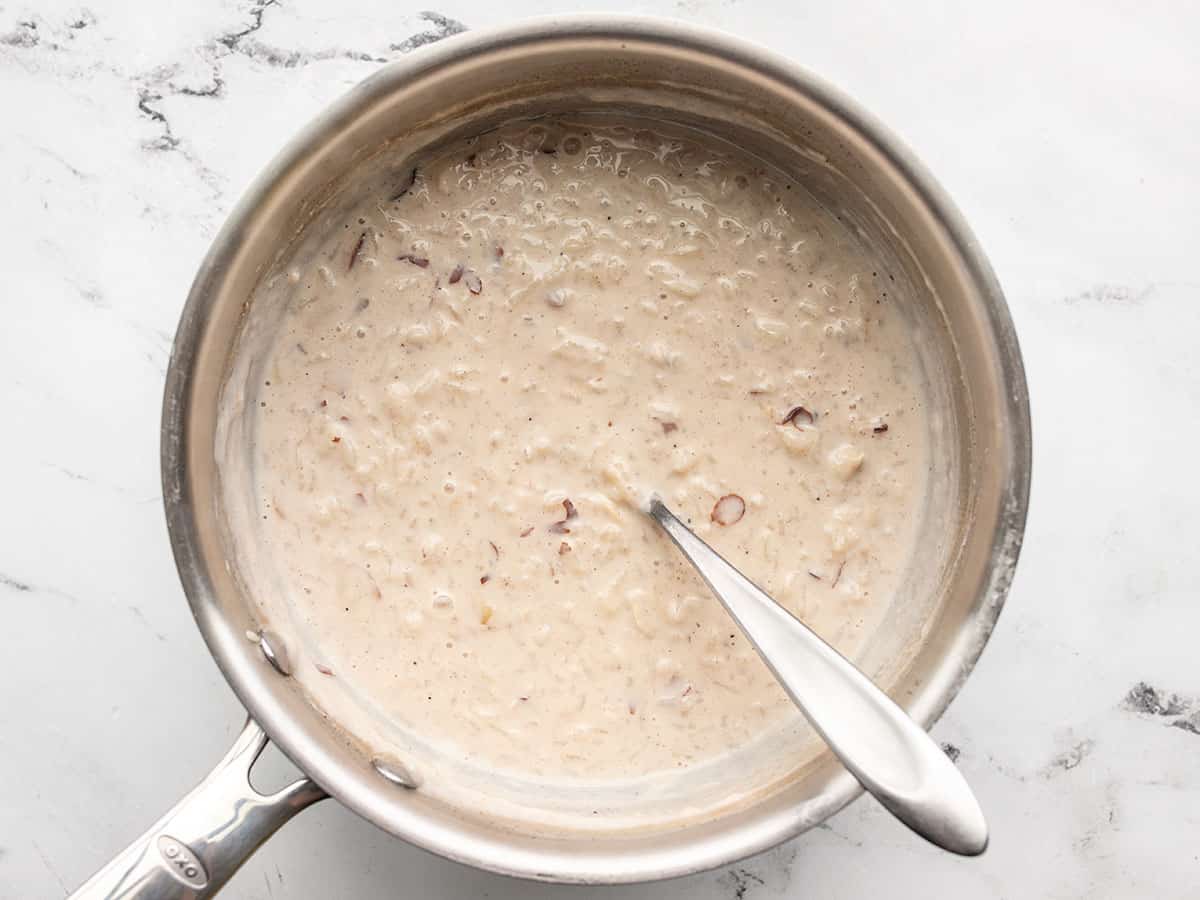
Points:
889	754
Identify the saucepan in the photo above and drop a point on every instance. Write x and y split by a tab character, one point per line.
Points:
951	594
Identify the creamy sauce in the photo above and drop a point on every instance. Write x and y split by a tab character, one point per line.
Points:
487	370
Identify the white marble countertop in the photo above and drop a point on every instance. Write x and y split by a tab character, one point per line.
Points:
1068	134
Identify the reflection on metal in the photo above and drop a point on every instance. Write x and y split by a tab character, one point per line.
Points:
275	650
395	772
193	850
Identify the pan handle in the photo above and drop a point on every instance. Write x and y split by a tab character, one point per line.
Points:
193	850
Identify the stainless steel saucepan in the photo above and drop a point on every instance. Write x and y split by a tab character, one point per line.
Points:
976	502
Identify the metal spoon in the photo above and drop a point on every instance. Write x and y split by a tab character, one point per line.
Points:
890	755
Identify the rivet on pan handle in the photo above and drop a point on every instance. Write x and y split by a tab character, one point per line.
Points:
396	772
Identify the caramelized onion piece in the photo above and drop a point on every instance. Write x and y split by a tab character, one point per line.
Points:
729	510
798	416
357	251
560	527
